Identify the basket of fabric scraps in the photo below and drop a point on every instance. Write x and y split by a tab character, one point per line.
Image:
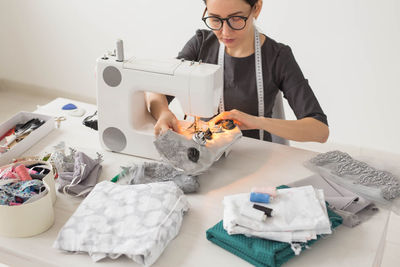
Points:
269	226
27	195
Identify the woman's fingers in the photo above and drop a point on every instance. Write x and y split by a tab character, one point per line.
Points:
226	115
157	130
169	121
166	122
175	126
243	120
162	129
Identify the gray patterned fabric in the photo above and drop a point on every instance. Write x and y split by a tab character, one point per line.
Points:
379	186
135	220
151	172
173	148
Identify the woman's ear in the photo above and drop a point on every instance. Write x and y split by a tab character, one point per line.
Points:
257	8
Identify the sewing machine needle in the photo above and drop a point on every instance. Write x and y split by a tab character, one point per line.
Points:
196	123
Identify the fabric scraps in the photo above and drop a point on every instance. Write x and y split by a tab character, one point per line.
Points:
11	172
77	172
17	193
151	172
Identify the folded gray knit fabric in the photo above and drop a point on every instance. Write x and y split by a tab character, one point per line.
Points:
151	172
181	151
353	208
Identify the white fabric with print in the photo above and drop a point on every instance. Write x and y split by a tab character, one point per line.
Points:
136	220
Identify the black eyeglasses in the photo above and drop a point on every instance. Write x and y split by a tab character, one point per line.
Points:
234	22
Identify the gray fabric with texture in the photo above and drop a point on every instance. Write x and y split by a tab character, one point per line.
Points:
85	170
151	172
173	148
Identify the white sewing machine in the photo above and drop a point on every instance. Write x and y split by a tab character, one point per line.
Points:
124	123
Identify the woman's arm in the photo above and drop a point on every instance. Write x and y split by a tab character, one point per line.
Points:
158	106
158	103
302	130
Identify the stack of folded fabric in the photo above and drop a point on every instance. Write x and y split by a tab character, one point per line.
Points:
300	217
353	208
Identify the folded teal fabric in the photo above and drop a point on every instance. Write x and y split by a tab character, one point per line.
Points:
258	251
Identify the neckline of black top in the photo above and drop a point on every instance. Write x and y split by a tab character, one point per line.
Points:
249	56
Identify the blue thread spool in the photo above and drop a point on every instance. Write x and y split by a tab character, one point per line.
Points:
259	197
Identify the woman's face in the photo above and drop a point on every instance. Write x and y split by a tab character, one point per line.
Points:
225	8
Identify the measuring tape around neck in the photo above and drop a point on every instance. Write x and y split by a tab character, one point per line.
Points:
259	76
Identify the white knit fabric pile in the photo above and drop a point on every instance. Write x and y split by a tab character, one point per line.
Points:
299	215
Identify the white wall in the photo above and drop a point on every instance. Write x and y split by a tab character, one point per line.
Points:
347	49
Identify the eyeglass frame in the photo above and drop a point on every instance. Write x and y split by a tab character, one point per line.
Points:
225	19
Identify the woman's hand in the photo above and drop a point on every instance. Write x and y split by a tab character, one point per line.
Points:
166	121
307	129
243	120
158	106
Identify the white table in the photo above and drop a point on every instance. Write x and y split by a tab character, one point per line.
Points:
250	163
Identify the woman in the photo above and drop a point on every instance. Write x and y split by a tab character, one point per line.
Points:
249	88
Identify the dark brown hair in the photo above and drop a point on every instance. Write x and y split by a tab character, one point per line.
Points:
250	2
